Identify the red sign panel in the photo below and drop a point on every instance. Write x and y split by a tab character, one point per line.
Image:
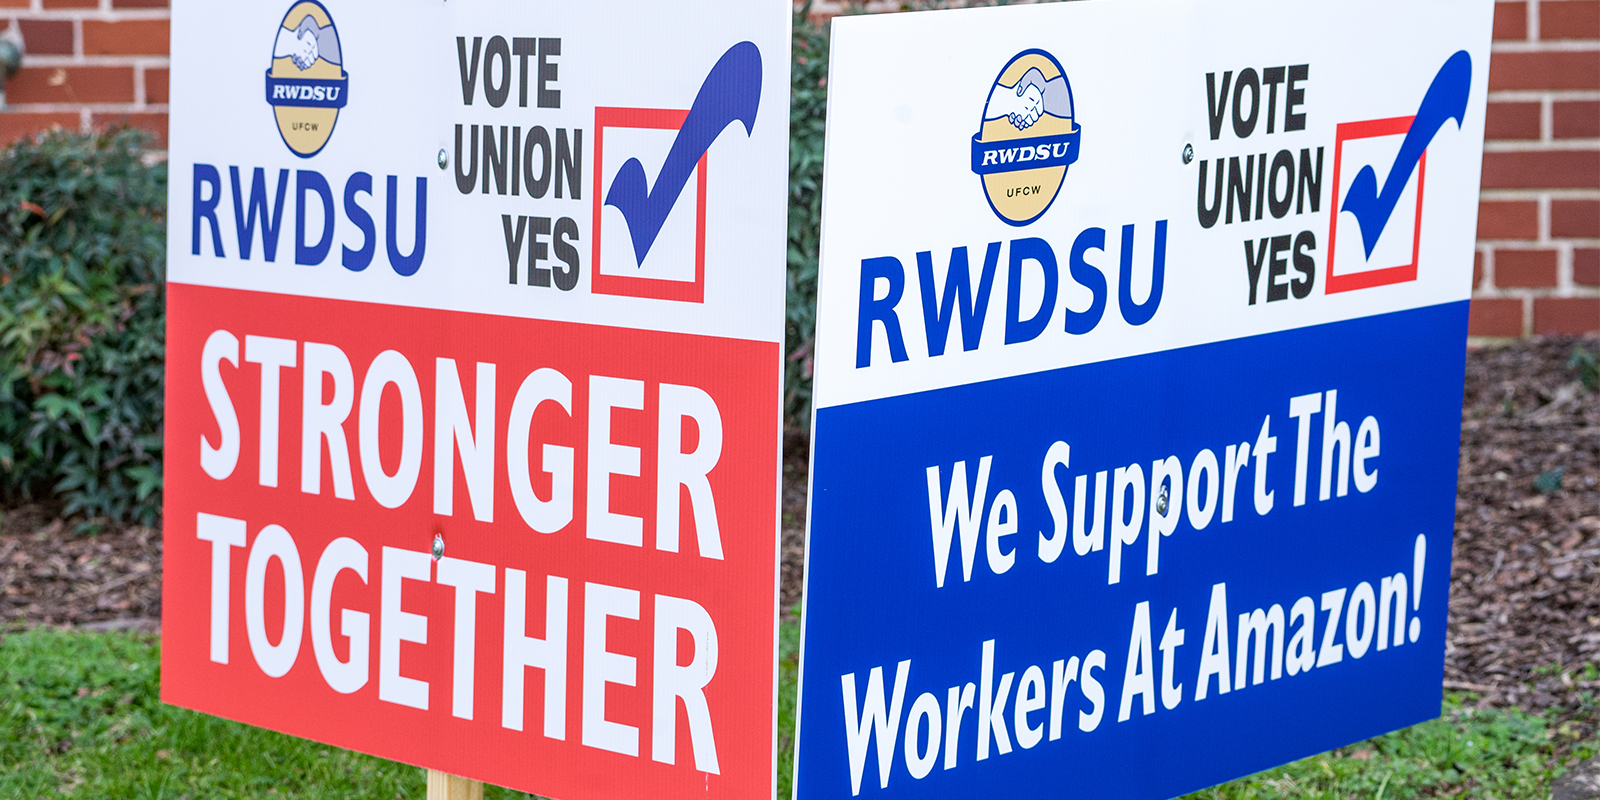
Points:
499	547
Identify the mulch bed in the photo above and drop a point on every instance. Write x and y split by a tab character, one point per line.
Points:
1524	596
1525	585
52	575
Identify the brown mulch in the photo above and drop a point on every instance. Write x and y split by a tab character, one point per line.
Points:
1525	585
51	575
796	466
1524	596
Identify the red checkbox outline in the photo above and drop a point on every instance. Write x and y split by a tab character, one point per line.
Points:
653	288
1378	277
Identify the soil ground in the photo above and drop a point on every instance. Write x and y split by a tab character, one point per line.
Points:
1525	586
1525	578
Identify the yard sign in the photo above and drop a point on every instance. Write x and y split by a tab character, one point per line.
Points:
474	353
1138	387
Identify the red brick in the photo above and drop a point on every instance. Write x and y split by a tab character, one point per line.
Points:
47	37
71	85
1524	268
71	3
1509	219
1577	119
1566	315
13	4
1548	69
140	37
1512	121
1586	266
139	3
155	84
156	123
1542	169
1510	21
14	126
1477	269
1569	19
1495	316
1577	219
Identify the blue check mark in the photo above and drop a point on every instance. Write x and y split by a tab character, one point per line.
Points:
731	93
1445	100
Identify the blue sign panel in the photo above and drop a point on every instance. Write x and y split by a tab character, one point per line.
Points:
1117	578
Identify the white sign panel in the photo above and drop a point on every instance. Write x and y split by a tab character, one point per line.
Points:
474	377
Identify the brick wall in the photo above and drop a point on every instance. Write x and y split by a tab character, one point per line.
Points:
89	64
1538	261
96	62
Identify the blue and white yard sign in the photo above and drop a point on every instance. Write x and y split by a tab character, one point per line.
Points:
1138	384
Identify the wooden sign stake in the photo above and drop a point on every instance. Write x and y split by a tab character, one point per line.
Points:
444	786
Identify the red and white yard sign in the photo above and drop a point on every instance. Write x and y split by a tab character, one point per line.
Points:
453	478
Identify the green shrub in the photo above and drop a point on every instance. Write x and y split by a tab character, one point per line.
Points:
82	323
807	113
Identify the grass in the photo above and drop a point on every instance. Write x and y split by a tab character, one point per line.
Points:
80	716
1466	753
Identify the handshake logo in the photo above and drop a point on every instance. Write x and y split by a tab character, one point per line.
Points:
307	84
300	47
1023	104
1027	139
